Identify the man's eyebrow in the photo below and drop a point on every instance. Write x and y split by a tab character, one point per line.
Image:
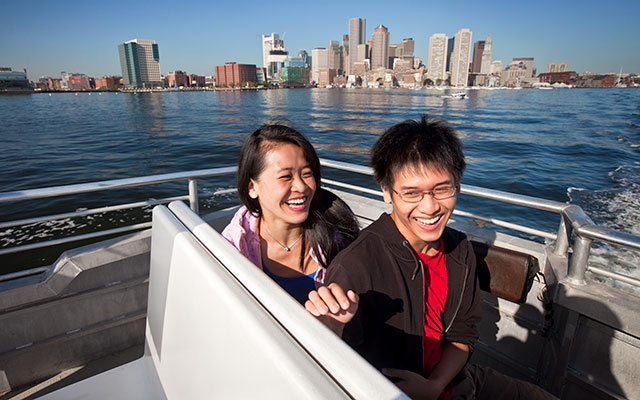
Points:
445	182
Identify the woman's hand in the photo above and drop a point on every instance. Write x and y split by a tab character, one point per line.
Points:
332	306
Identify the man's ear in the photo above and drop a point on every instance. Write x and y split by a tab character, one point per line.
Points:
386	194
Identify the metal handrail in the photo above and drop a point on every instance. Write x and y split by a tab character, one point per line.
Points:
573	219
113	184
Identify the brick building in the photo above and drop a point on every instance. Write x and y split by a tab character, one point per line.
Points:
568	77
108	82
177	79
196	80
232	74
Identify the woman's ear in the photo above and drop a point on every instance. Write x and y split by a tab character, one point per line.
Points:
253	186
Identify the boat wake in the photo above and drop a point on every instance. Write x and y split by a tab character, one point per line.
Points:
617	208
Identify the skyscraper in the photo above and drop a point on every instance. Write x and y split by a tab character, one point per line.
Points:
380	47
437	58
485	65
460	58
320	57
335	55
273	54
478	52
140	63
407	45
356	37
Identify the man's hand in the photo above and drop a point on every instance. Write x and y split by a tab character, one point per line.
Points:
332	306
414	385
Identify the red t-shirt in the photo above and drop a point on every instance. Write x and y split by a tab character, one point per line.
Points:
435	283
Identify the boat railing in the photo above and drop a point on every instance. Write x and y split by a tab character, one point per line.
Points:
576	231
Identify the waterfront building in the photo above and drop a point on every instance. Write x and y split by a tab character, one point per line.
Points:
320	58
485	63
518	73
140	63
64	80
340	80
293	76
326	75
437	58
380	47
525	63
196	80
78	82
566	77
596	81
209	81
401	65
356	37
233	74
56	83
417	62
361	68
478	50
273	54
460	58
496	66
107	82
557	67
177	79
261	74
14	81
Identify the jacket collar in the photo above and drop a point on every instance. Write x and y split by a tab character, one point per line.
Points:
387	229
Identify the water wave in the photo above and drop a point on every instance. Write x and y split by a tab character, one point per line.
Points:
617	207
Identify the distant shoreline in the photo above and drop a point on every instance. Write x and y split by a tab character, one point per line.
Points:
264	88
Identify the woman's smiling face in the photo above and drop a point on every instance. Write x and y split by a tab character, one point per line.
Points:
286	186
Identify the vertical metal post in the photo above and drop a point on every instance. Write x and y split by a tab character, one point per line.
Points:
579	260
564	234
193	195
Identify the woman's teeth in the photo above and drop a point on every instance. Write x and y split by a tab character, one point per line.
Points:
296	202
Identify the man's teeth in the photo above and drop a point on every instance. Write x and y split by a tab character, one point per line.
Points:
429	221
296	202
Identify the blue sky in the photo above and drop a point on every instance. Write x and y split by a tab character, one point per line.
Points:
194	36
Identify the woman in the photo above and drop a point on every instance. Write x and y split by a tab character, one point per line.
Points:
288	226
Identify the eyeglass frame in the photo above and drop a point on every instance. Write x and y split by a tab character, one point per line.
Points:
454	192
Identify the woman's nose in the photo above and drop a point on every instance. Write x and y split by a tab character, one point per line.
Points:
298	184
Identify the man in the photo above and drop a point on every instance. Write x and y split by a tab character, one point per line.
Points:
412	305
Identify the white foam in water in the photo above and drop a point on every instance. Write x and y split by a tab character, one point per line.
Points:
617	208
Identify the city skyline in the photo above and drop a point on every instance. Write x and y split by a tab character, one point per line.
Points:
83	36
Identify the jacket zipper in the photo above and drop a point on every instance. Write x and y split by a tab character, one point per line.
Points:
464	284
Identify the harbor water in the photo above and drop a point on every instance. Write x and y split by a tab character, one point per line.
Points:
568	145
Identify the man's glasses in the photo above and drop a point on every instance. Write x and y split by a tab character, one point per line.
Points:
439	193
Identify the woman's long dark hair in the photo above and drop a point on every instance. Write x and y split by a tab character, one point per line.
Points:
331	225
